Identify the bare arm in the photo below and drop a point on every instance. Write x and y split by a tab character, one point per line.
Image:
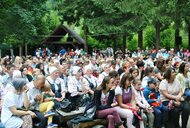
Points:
171	97
16	112
120	102
26	101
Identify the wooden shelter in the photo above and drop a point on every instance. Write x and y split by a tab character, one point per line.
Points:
73	38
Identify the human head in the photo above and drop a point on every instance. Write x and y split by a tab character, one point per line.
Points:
40	81
183	68
88	70
17	74
148	71
106	68
113	64
134	72
151	83
24	70
114	74
125	66
137	83
77	71
40	66
169	75
10	69
54	72
126	80
107	83
18	84
140	65
160	65
131	62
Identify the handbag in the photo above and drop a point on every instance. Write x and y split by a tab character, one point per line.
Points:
65	105
90	110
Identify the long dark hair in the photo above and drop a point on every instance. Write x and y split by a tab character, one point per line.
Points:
125	77
182	68
104	82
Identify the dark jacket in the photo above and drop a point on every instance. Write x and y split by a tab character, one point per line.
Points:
147	91
97	99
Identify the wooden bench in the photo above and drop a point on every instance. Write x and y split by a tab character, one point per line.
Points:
65	117
89	124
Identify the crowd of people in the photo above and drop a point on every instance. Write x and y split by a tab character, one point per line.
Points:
145	88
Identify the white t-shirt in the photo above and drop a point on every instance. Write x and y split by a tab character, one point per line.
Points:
104	98
118	91
11	99
172	88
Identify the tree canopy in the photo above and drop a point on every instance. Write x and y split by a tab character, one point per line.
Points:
101	21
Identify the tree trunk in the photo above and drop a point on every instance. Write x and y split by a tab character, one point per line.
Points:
114	46
157	26
189	36
86	38
124	43
26	49
177	25
20	50
176	44
140	39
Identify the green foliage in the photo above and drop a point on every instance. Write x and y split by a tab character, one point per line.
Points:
149	37
133	43
167	38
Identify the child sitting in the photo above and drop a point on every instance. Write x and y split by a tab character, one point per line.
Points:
47	104
145	109
152	97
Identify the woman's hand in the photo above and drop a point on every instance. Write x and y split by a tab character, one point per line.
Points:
149	110
31	113
178	98
114	104
25	88
58	99
177	104
113	87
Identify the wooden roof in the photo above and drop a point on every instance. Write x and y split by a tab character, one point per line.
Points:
60	32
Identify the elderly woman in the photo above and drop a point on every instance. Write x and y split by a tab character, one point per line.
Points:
76	92
171	92
57	85
11	116
89	81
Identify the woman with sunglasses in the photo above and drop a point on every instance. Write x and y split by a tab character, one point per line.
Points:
104	96
171	94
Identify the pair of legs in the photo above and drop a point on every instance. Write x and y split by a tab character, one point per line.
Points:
46	107
112	116
183	109
147	117
161	116
127	114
